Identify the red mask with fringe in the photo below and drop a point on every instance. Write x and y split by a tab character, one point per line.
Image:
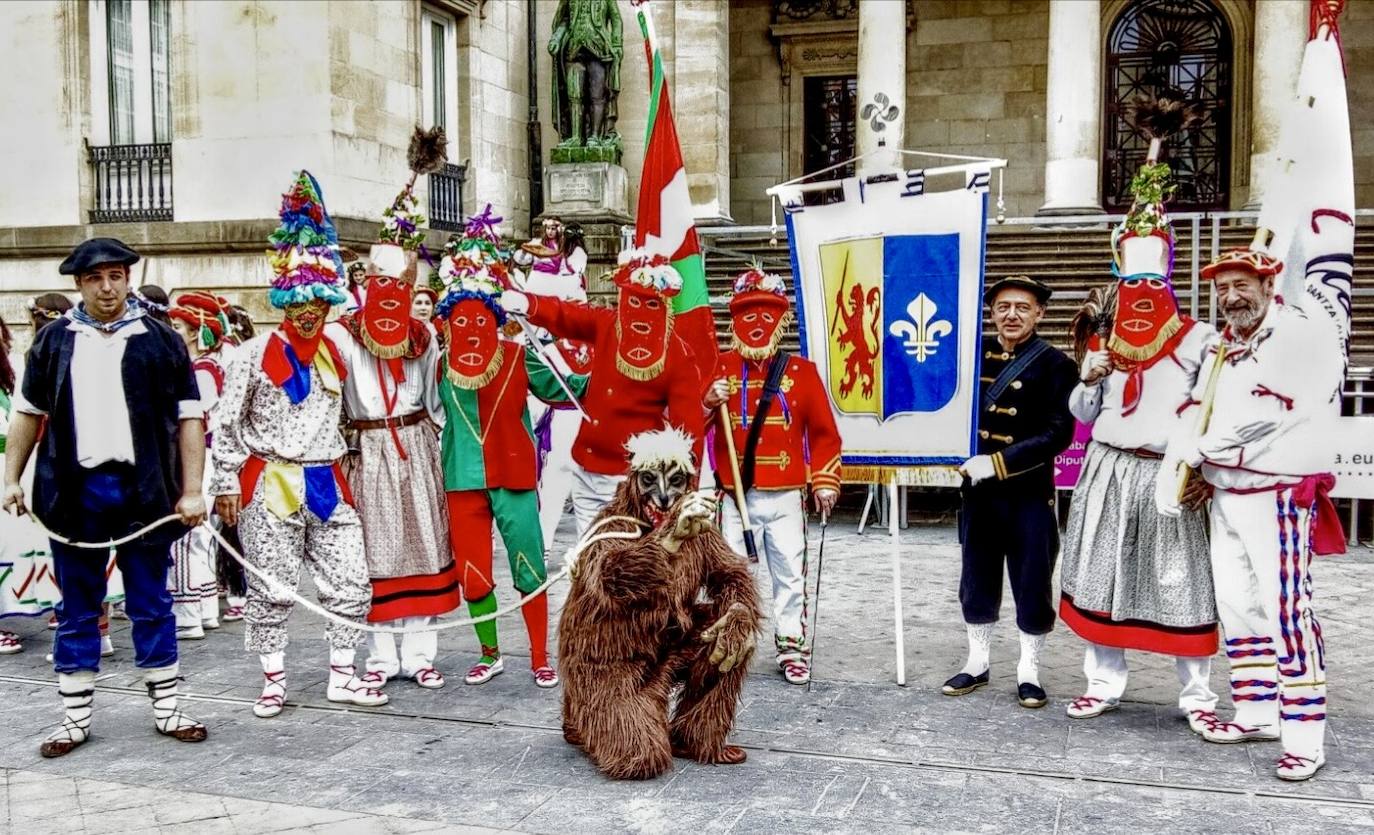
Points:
474	344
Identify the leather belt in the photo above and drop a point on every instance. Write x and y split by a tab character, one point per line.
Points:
389	422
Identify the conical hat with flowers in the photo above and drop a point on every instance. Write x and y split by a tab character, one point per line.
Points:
474	266
305	249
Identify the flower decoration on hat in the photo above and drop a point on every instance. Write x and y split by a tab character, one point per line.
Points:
474	266
754	283
305	249
643	272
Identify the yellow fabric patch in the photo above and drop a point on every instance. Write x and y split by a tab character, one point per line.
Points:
284	486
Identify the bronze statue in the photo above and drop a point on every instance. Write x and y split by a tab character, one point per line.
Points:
586	46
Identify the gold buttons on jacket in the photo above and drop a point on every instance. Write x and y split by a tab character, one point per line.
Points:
983	433
1016	384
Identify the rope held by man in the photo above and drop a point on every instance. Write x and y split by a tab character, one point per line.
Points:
588	539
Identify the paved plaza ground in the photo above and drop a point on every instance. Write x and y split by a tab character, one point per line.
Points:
854	754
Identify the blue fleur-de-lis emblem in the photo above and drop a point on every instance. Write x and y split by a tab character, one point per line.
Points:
923	331
879	112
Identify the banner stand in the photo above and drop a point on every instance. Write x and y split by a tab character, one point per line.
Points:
893	528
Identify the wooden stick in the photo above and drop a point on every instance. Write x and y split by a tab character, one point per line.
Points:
749	547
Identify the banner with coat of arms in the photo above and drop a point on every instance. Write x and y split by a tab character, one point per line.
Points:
889	285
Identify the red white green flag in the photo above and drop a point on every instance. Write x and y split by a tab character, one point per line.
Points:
664	222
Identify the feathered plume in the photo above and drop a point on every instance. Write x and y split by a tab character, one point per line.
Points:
427	153
660	448
1162	116
1094	318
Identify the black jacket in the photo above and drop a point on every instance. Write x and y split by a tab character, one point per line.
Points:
1030	422
157	379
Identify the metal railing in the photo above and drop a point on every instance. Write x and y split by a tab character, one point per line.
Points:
446	198
131	183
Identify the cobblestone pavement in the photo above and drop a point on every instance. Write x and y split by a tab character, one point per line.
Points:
854	754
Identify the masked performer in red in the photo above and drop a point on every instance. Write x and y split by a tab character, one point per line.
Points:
640	370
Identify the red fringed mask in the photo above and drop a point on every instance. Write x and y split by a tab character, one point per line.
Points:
385	316
474	344
644	321
1147	327
756	320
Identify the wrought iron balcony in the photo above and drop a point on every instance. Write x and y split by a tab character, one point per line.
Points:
446	198
132	183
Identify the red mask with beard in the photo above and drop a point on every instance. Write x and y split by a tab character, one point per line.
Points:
756	322
643	324
474	346
1147	323
385	316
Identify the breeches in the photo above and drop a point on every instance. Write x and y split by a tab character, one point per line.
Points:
779	521
1021	532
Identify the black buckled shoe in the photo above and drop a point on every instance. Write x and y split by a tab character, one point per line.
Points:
1031	695
964	683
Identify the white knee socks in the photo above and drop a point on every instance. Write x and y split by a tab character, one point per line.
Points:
162	690
1028	668
979	647
78	692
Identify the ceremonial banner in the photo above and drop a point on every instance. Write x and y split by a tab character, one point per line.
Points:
889	285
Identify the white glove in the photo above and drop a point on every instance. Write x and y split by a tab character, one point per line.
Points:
1096	365
513	301
1166	488
979	468
717	394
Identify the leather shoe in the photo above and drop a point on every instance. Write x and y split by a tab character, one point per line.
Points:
964	683
1030	695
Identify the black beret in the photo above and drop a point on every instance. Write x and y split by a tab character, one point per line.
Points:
96	251
1020	282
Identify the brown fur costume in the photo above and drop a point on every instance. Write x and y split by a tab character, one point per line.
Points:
634	627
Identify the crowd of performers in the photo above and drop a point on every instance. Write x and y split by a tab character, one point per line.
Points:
383	451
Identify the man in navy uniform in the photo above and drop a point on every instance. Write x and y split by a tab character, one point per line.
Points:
122	445
1008	494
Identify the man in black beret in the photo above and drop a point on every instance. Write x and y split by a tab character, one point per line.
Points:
1008	493
124	446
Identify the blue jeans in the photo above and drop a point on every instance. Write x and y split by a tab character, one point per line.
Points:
105	493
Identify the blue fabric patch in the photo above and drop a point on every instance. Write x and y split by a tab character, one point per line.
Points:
321	491
297	386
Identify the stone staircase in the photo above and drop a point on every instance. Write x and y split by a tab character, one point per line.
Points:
1069	260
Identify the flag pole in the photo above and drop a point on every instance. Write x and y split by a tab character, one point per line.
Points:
899	645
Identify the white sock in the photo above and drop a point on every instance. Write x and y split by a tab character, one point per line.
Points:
979	647
162	689
78	692
1028	668
340	667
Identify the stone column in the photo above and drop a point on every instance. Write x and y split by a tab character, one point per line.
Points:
1073	109
700	78
1280	36
881	106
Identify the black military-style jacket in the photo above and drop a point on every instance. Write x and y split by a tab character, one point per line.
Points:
1030	423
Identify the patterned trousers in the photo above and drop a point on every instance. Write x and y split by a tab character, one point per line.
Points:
332	549
1261	556
779	521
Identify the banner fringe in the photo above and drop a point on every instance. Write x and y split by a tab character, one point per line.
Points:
927	476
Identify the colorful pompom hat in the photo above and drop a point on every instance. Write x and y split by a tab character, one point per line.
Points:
647	274
305	249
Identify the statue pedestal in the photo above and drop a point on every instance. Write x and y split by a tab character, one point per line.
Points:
586	191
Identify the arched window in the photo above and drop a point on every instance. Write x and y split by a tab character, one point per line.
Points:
1178	46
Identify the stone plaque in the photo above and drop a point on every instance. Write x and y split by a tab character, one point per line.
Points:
576	185
586	189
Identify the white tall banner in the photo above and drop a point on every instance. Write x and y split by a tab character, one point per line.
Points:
889	285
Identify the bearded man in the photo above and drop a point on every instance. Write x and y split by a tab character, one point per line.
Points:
277	458
391	401
779	413
640	370
657	603
1273	386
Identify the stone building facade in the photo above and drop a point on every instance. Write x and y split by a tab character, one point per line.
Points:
216	102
